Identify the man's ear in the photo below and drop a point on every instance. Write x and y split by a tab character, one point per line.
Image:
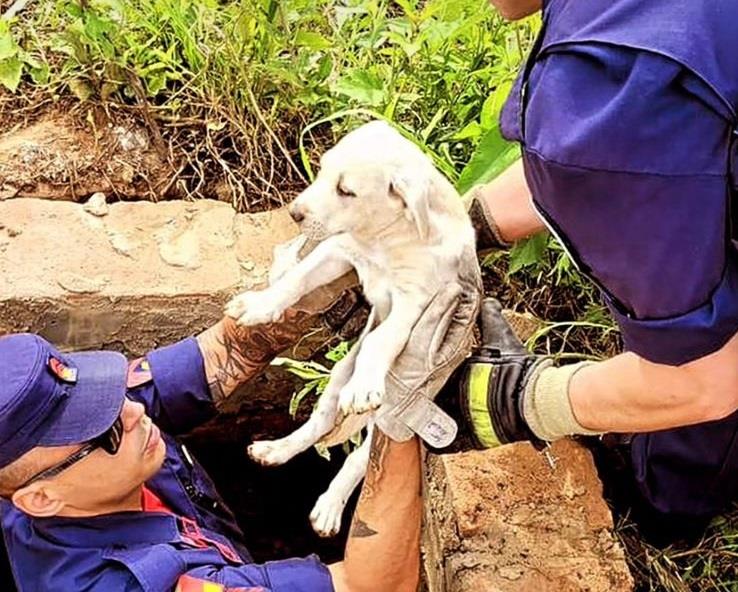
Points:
414	191
38	500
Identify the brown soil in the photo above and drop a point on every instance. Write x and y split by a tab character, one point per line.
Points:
67	157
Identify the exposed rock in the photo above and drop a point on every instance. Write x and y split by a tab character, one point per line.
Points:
97	205
143	275
502	520
61	158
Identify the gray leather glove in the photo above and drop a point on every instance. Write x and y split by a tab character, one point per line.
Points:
440	341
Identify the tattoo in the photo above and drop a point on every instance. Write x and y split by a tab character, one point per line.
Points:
235	354
361	530
374	475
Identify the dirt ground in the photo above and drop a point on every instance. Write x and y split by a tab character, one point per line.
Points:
71	156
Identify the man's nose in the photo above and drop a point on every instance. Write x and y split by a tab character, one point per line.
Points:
297	213
131	414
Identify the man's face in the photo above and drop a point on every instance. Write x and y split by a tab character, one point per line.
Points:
101	481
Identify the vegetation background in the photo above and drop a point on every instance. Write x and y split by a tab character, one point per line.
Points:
242	95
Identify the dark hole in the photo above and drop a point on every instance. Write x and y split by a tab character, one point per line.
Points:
272	504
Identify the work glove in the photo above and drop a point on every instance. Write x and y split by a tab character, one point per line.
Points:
485	227
440	341
489	389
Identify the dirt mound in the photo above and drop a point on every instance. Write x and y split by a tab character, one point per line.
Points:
60	157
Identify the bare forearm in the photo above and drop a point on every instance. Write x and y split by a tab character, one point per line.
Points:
508	200
516	9
233	354
383	549
630	394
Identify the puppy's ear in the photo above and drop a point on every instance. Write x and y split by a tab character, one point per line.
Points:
414	191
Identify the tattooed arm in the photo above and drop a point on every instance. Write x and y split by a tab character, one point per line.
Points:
234	354
383	549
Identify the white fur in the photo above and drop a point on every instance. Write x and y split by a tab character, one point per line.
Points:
378	206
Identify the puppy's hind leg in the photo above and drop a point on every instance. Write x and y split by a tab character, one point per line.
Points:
328	510
322	420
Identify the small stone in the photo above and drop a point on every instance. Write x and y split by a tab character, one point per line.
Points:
7	191
182	251
97	205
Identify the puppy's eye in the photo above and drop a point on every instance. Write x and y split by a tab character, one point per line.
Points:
343	192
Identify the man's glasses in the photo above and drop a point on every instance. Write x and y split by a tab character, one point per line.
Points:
109	441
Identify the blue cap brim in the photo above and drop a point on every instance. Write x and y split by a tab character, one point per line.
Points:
95	400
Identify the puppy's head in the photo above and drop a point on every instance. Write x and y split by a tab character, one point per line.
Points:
367	181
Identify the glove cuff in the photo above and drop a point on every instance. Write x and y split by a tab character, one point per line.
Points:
545	403
488	233
491	392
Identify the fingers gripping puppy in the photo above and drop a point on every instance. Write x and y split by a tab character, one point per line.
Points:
378	206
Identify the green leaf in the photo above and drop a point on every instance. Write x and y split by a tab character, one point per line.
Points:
304	370
297	397
493	105
312	40
471	130
339	352
40	75
323	451
10	73
8	46
493	155
81	89
155	83
325	66
528	252
363	86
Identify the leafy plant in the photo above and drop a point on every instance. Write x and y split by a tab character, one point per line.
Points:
315	377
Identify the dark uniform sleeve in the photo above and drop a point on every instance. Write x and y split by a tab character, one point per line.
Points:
289	575
171	384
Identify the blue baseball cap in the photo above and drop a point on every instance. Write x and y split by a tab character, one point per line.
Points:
50	399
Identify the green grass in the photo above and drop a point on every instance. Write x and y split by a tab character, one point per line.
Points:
710	565
231	85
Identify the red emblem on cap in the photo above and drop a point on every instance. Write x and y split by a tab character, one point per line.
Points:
62	371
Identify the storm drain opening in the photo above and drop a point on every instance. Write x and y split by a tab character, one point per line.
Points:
272	504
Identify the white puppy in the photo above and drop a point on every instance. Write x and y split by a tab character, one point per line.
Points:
378	206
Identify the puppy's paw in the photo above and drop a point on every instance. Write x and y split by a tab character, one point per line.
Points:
359	396
270	453
326	515
254	308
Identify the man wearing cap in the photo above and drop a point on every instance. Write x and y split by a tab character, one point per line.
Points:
98	495
627	116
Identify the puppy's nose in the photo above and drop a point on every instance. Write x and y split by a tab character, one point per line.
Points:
297	214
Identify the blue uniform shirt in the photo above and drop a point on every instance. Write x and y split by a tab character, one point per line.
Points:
626	111
150	551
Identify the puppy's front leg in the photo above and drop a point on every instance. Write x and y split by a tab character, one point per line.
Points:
380	348
321	266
